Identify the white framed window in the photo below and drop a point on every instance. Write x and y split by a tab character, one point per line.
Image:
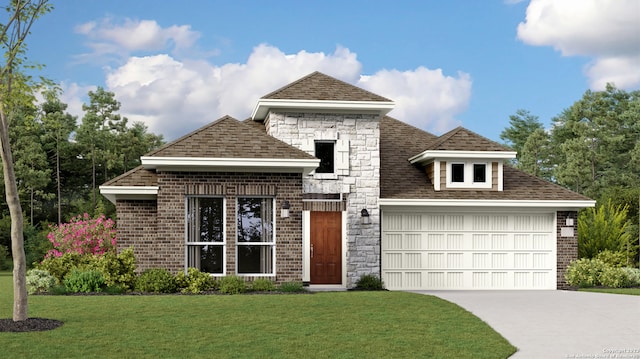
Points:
255	244
468	174
332	152
326	152
205	235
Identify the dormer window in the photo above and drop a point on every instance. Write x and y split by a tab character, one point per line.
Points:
468	174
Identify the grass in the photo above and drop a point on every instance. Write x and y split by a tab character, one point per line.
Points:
328	324
627	291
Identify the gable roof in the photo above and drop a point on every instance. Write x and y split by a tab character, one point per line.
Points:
399	179
138	176
461	139
318	86
229	138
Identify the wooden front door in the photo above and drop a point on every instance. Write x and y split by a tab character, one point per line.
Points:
326	248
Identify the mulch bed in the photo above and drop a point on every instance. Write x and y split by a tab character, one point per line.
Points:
29	325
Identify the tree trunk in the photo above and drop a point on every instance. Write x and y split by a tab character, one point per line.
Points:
17	224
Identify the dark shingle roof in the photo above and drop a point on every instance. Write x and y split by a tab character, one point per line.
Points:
401	180
461	139
136	177
230	138
318	86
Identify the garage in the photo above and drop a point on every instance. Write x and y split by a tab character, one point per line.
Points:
489	249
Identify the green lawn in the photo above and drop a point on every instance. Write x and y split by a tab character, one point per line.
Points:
628	291
319	325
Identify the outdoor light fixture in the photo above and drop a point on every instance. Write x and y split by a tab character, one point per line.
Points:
365	216
284	211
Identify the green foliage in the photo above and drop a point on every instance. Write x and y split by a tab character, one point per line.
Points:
232	284
585	272
39	281
603	228
370	282
156	280
634	276
5	259
614	277
59	267
118	269
195	281
263	285
521	126
84	281
36	245
292	287
612	259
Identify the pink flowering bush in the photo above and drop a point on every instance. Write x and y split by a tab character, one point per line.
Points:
83	235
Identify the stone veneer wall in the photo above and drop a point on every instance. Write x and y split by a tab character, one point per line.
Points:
158	235
361	185
567	249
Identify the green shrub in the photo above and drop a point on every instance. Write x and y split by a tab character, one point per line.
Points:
370	282
36	245
232	284
5	259
263	285
585	272
613	259
60	267
156	280
84	281
195	281
292	287
39	281
614	277
118	269
634	276
604	227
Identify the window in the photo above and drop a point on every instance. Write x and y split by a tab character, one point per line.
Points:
479	172
325	151
457	172
205	234
255	245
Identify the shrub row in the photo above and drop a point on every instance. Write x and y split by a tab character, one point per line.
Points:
596	272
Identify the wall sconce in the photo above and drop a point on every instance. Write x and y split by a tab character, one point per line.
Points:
284	210
364	215
569	222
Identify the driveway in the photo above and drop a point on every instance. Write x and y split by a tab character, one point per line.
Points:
557	324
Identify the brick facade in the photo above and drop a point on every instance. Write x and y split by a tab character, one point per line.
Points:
567	247
156	229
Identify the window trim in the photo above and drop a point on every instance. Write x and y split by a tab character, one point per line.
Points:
469	177
222	244
272	244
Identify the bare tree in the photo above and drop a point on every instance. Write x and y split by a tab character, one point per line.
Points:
21	14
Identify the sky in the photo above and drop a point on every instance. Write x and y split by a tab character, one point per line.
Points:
178	65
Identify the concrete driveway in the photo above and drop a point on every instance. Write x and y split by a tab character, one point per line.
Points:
557	324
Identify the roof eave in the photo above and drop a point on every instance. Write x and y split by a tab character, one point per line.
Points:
269	165
556	204
263	106
435	154
113	193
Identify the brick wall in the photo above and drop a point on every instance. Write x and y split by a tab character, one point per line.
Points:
156	229
567	249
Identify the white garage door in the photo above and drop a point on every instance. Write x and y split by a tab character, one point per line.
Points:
468	250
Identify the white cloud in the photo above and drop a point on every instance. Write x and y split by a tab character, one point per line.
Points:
107	38
74	96
174	97
605	30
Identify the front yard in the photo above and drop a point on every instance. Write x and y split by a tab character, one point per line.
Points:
328	324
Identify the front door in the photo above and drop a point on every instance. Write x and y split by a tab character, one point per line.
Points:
326	247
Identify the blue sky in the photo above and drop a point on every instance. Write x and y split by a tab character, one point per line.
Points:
177	65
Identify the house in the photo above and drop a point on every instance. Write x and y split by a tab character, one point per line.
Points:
321	186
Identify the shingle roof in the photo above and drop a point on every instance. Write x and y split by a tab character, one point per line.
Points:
461	139
318	86
136	177
401	180
230	138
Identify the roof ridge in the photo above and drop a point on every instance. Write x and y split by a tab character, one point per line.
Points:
290	84
444	137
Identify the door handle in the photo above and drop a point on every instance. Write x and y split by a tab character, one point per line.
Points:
311	250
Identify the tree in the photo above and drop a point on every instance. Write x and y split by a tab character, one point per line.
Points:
58	126
522	125
13	33
534	158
